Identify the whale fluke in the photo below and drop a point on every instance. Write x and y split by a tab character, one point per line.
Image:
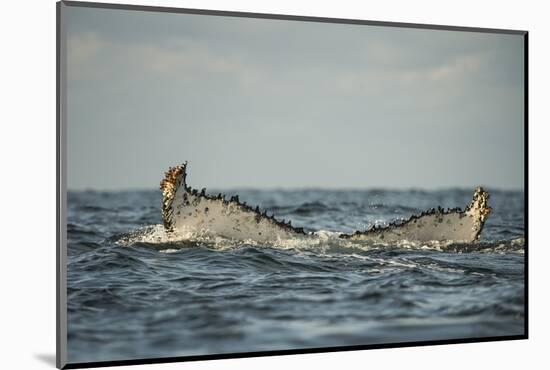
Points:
185	209
451	225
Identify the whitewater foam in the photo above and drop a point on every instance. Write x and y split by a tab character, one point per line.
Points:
320	241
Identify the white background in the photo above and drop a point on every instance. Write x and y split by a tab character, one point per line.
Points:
28	183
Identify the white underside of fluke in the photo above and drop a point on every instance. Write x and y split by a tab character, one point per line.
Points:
229	219
188	211
455	226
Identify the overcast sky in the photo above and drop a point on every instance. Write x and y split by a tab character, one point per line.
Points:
271	103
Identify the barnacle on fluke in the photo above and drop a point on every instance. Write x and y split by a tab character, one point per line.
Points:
187	209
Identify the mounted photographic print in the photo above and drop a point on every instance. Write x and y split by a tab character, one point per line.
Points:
235	184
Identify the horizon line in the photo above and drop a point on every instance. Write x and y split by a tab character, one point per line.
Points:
311	188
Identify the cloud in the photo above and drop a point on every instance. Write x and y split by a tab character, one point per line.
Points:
82	50
93	58
460	68
84	46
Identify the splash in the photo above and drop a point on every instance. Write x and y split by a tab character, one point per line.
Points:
319	242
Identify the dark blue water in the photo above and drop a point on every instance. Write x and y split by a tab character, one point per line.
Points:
131	295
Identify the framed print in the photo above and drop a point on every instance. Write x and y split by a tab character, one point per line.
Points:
237	184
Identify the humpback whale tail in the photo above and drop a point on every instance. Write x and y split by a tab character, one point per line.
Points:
185	209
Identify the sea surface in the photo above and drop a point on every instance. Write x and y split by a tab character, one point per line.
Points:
134	294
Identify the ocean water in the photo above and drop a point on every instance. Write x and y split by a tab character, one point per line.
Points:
134	294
